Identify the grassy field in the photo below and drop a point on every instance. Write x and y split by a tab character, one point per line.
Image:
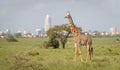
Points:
26	54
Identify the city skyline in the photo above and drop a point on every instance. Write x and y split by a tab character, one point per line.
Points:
112	30
41	33
91	15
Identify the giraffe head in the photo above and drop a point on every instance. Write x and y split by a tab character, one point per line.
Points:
67	15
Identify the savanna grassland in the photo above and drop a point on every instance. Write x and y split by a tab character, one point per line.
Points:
26	54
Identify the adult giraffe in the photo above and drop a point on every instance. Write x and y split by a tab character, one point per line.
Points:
79	38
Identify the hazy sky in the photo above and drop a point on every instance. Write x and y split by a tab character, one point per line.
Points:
30	14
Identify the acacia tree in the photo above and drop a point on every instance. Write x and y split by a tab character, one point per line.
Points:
61	32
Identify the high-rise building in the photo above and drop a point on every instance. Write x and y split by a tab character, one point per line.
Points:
47	23
113	30
38	31
7	31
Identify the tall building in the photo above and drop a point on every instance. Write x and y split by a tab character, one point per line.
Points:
24	32
47	23
7	31
38	31
113	30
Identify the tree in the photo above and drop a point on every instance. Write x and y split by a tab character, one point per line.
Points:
61	32
63	39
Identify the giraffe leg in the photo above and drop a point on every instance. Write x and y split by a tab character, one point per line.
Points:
80	52
75	52
88	53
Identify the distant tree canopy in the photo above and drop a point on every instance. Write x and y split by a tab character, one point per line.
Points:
58	29
61	32
18	35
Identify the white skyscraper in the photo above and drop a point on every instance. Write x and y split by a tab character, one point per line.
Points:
38	31
113	30
7	31
47	23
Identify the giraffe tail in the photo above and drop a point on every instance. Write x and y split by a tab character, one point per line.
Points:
91	50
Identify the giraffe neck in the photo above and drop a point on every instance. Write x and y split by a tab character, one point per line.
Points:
75	31
71	21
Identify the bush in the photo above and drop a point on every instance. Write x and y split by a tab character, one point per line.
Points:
55	44
45	45
11	38
53	41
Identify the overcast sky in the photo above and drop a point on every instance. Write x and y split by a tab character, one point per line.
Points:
91	15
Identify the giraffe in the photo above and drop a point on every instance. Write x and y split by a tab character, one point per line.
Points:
79	38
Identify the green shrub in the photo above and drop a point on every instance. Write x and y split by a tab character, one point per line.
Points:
55	44
53	41
45	45
11	38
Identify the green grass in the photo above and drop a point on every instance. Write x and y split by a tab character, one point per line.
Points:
26	54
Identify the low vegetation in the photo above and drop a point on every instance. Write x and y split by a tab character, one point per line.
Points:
11	38
52	42
27	54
